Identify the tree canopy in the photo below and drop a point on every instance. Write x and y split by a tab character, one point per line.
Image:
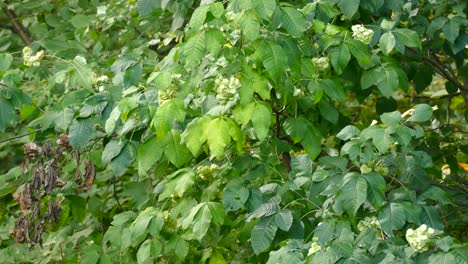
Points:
236	131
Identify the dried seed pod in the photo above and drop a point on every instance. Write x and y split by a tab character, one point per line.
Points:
31	150
63	141
90	174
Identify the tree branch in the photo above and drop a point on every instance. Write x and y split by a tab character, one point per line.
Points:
17	27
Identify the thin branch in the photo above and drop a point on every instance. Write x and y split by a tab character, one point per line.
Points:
17	27
443	70
20	136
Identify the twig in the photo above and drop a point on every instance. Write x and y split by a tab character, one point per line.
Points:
20	136
115	193
17	27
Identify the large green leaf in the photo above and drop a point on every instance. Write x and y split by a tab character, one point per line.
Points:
274	59
198	16
340	57
325	231
262	234
112	149
261	120
387	42
301	130
392	217
177	186
148	153
166	114
284	219
81	132
408	37
353	194
422	113
202	222
5	61
360	51
194	137
126	157
250	26
175	152
234	197
265	8
349	7
375	189
194	49
217	136
7	113
146	7
293	21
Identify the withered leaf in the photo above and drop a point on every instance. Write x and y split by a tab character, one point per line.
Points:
31	150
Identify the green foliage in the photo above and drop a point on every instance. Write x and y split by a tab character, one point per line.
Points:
233	131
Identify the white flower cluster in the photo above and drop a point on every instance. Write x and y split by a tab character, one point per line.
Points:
322	63
314	247
368	222
165	95
362	34
226	89
32	60
205	172
419	238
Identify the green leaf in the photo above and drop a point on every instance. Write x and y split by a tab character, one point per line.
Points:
262	234
388	82
391	119
442	258
392	217
360	51
78	207
274	59
301	130
265	209
202	222
5	61
7	113
177	245
329	112
194	49
217	212
144	252
325	231
199	16
81	132
120	163
165	115
375	189
444	243
292	21
175	152
422	113
146	7
112	149
218	137
111	122
451	30
188	221
348	132
183	181
261	120
430	216
139	227
214	41
349	7
80	21
284	219
250	26
387	42
353	194
408	37
148	153
265	8
194	137
234	197
340	57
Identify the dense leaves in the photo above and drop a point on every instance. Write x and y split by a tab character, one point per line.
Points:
264	131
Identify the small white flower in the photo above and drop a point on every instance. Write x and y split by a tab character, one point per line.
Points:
362	34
